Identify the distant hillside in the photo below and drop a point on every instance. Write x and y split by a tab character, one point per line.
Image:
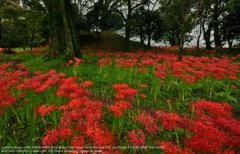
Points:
107	40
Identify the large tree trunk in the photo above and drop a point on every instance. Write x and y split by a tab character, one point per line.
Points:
207	36
198	40
0	32
127	35
70	34
217	39
63	40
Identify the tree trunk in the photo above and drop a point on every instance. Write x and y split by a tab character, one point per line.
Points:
0	32
149	39
217	38
127	35
70	34
230	43
198	40
207	37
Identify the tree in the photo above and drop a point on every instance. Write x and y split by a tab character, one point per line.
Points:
148	25
230	25
180	22
126	9
103	18
62	31
9	20
33	20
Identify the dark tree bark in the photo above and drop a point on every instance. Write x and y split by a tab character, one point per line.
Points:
217	37
63	40
70	33
0	32
207	36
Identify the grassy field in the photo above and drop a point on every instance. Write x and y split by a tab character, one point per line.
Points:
142	102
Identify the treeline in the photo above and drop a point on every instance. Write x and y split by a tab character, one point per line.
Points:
60	22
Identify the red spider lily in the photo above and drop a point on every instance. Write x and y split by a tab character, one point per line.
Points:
43	110
160	74
149	122
169	120
87	83
189	79
119	107
105	61
212	109
69	88
169	148
206	139
141	69
77	142
51	138
137	137
65	132
65	120
143	95
120	86
6	99
103	138
117	111
124	91
125	63
78	60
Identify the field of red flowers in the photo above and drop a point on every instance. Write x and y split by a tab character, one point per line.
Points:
141	102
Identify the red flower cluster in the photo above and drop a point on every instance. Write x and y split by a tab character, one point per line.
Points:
149	122
169	120
125	63
105	61
214	128
7	80
119	107
137	137
51	138
124	91
43	110
40	82
69	88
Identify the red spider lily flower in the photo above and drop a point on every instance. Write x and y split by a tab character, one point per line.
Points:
51	138
62	75
38	73
119	107
77	142
65	120
43	110
120	86
189	79
137	137
78	60
143	95
87	83
169	148
169	120
160	74
103	138
65	132
212	109
117	111
104	61
149	122
206	139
